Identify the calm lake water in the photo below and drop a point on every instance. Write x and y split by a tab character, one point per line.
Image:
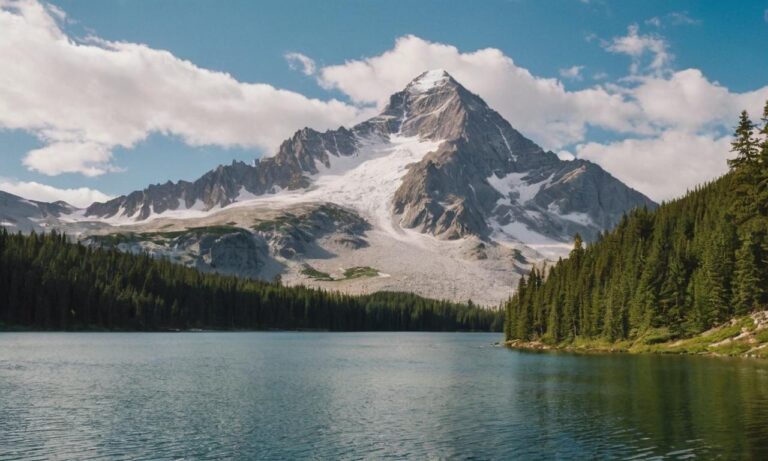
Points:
365	395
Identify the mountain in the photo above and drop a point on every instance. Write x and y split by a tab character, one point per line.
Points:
666	275
48	283
19	214
438	195
478	175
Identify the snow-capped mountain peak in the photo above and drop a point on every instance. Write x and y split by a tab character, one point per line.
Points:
451	190
429	80
436	185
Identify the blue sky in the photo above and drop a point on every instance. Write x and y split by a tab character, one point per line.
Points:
579	45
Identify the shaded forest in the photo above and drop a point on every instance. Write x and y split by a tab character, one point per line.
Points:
664	274
49	283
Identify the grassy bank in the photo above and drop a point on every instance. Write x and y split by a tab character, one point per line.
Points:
743	337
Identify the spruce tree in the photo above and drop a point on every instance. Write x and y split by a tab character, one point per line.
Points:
748	286
745	145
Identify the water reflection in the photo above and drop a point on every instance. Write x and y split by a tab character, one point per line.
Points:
340	396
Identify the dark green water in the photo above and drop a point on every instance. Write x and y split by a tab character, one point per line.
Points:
369	396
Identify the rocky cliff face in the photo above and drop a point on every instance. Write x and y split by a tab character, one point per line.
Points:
19	214
484	178
437	195
486	174
296	160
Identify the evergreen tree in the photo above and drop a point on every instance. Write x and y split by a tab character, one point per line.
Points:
745	145
47	282
683	268
749	289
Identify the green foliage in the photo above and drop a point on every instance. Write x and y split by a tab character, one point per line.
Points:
49	283
360	271
351	273
113	240
665	274
313	273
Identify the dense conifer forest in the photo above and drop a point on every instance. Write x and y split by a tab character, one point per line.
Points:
664	274
47	282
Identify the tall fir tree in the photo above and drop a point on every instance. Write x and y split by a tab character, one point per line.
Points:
749	288
681	269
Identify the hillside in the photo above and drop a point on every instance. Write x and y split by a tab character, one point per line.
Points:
661	275
438	194
47	283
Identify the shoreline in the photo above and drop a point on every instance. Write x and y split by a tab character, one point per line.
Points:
537	346
744	337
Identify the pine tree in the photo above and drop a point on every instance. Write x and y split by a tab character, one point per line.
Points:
761	198
748	286
682	267
745	145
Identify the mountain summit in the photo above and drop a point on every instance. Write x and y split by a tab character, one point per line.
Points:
437	195
482	177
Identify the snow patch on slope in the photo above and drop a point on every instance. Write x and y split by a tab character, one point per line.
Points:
428	80
365	181
514	184
515	190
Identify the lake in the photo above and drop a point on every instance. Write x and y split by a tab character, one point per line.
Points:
288	395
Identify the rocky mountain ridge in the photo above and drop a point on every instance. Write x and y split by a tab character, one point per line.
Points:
438	194
461	188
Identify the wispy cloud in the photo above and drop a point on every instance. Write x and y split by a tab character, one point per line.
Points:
572	73
675	18
300	62
637	46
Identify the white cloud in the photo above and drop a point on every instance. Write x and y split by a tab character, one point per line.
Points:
675	18
654	21
663	167
539	107
572	73
660	112
84	98
637	46
688	100
298	61
87	158
79	197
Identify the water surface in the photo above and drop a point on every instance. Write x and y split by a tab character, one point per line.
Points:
366	395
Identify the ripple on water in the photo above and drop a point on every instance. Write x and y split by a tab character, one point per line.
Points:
371	396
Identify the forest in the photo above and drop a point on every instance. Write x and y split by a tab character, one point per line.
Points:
669	273
50	283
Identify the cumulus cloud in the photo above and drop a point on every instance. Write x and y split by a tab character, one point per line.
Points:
88	158
540	107
658	111
688	100
572	73
300	62
637	46
83	98
662	167
79	197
